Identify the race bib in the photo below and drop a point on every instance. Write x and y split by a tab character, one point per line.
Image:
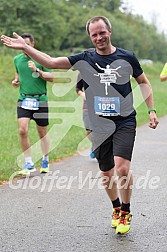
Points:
30	103
107	106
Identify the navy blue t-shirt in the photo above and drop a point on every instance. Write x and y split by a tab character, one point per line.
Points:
105	77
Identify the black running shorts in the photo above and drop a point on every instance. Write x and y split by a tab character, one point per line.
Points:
40	116
120	144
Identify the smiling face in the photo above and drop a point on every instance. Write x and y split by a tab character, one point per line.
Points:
100	36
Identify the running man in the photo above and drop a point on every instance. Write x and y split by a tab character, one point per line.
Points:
112	115
31	78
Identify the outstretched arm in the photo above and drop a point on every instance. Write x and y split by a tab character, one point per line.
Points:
42	58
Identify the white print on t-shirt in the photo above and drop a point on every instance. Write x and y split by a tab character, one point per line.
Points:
109	76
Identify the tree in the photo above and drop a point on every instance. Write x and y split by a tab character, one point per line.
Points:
37	17
59	26
109	5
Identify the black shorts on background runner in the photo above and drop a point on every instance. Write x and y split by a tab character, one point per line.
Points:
40	116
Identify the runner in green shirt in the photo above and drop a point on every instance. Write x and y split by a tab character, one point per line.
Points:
31	78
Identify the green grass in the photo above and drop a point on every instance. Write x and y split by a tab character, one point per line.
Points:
9	141
159	91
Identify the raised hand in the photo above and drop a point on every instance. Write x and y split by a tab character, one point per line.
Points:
16	43
32	65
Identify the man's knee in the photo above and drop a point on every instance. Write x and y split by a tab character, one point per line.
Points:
122	166
23	131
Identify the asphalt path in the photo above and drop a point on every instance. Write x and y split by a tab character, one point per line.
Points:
68	210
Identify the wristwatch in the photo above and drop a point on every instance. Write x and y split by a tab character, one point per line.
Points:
37	70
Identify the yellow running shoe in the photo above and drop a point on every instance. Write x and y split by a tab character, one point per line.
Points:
115	216
28	168
124	222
